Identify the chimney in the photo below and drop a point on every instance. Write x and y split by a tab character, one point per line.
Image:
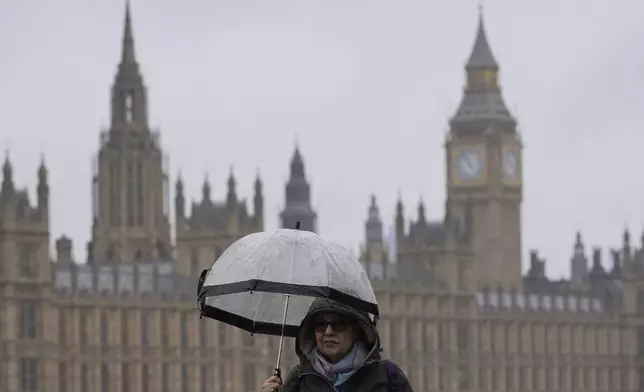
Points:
64	250
534	260
616	260
597	259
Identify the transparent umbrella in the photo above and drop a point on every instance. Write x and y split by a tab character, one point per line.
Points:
265	282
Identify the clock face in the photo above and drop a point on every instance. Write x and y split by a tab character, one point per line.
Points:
469	164
510	165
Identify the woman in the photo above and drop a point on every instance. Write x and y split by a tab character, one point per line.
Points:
339	351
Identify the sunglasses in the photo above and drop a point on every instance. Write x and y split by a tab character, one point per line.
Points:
337	325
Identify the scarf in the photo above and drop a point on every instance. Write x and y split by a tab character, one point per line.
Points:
339	372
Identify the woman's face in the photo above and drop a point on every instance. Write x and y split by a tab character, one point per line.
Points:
334	335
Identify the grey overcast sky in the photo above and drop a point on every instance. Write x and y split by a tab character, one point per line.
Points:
366	86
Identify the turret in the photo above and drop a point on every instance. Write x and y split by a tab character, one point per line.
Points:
297	206
179	199
231	197
43	190
7	176
258	203
373	226
578	264
421	212
64	254
400	219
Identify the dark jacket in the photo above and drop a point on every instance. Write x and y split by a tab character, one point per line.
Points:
372	377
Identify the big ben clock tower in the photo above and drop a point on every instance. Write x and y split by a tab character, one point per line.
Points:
483	151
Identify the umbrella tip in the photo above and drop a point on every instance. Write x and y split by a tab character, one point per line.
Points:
297	225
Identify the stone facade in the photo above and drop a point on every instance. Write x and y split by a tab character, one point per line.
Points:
457	314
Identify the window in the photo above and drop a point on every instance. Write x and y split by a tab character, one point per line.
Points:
140	189
410	335
105	378
105	327
509	384
115	196
145	328
124	329
441	336
84	327
194	261
428	341
130	194
184	377
184	330
28	263
203	381
640	301
28	320
125	377
145	379
203	336
165	380
62	326
165	336
462	340
221	334
462	378
84	377
62	376
249	377
29	374
223	379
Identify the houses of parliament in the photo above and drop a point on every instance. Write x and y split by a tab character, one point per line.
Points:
457	313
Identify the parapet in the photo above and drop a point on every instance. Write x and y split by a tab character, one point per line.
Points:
511	301
145	279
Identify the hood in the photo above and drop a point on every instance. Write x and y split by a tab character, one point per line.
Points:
305	341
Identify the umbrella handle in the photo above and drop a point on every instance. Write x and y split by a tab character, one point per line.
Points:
278	374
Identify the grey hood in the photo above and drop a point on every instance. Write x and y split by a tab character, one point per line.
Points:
305	341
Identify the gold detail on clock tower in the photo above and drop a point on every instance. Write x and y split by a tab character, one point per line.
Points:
511	165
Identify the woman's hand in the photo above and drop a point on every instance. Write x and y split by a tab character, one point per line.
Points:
271	384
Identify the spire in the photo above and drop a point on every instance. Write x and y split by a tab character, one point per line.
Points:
129	96
231	180
374	214
400	219
626	238
205	189
231	199
481	56
43	188
258	202
42	171
421	211
7	174
297	164
179	199
482	104
128	55
373	226
579	245
399	206
179	184
298	197
258	184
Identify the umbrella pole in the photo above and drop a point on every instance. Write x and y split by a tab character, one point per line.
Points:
279	351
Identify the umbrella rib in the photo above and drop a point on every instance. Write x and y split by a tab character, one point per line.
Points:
264	267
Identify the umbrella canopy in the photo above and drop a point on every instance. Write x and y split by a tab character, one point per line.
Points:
246	286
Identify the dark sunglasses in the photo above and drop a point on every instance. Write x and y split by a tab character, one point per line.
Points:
337	325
